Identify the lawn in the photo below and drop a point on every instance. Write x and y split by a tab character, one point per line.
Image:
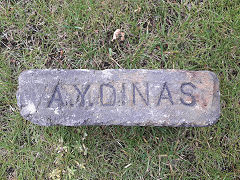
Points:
158	34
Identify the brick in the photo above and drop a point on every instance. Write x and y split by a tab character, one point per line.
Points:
119	97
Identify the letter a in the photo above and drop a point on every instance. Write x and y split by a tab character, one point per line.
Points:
53	98
169	97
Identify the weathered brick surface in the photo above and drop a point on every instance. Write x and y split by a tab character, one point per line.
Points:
119	97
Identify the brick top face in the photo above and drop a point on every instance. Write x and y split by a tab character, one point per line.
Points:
119	97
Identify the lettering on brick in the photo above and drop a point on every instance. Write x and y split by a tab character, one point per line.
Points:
81	94
193	99
112	95
137	91
162	96
119	97
56	97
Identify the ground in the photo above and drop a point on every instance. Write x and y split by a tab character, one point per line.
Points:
158	34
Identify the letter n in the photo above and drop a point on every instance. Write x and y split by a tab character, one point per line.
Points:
135	89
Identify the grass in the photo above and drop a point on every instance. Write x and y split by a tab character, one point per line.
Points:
191	35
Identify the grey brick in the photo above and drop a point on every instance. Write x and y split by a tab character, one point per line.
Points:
119	97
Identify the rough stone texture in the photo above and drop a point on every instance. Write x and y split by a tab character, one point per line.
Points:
119	97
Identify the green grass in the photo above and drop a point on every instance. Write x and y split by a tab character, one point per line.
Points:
198	35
